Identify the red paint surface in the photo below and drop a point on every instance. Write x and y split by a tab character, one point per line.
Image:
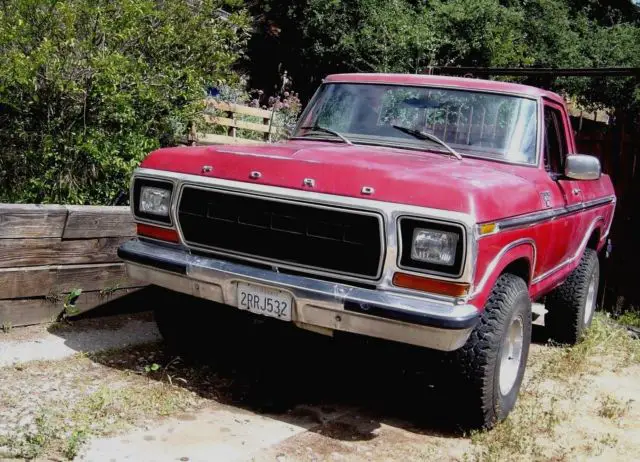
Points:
486	190
489	190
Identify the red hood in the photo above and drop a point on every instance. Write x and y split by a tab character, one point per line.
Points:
485	189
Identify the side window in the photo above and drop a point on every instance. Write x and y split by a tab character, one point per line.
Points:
555	144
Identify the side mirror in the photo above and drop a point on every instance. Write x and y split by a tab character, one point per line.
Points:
582	167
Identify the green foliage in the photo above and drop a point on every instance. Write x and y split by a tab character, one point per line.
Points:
313	38
151	367
69	308
89	87
630	318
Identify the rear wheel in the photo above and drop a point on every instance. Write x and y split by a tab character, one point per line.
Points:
491	364
570	307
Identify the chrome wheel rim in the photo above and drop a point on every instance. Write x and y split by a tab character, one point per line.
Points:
591	300
511	356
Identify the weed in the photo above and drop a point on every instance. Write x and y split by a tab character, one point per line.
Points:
166	371
64	426
608	440
70	300
630	318
524	435
6	327
74	443
151	367
30	441
105	292
612	408
520	435
604	338
599	445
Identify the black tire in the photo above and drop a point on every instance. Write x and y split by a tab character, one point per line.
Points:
483	402
194	327
567	313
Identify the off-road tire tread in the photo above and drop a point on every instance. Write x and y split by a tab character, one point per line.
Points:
476	359
565	304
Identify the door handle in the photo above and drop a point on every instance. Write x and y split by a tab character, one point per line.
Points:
576	191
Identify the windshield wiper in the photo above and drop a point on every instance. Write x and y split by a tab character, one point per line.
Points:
318	128
427	136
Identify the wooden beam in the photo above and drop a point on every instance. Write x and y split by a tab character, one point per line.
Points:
227	122
87	221
53	280
49	251
27	311
238	109
89	300
28	220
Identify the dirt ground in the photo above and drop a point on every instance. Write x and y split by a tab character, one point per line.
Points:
296	396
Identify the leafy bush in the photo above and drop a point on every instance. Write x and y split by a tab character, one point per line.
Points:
88	87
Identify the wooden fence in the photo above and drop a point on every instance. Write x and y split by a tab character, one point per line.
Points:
49	252
619	151
234	118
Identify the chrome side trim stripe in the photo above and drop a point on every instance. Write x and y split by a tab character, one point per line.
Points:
529	219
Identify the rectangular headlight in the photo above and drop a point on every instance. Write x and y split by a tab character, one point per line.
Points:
431	246
155	201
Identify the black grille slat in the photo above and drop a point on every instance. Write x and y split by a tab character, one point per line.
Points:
333	240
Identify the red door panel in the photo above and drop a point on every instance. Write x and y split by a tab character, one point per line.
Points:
557	144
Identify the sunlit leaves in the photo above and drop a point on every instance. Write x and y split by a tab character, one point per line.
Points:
87	88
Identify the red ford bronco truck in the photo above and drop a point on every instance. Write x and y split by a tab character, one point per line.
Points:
425	210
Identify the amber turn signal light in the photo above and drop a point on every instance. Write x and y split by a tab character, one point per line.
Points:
155	232
424	284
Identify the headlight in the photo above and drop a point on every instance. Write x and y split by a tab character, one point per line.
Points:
155	201
437	247
432	247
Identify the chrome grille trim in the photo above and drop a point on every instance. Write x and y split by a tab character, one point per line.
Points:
281	263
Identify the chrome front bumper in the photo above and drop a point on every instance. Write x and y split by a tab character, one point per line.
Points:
319	305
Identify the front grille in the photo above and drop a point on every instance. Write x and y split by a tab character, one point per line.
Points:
332	240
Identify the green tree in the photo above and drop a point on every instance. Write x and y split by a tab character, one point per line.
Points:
312	38
88	87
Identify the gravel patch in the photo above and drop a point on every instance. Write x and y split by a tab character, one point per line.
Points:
61	341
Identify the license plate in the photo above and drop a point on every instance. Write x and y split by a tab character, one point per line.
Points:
265	301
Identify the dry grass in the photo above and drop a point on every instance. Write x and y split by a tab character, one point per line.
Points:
115	391
61	427
554	374
524	434
612	408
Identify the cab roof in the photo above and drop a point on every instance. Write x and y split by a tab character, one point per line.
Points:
445	81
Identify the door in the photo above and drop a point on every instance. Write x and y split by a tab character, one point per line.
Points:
556	147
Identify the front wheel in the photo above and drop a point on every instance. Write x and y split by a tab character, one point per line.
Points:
570	307
491	364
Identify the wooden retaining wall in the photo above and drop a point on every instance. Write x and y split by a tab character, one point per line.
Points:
49	251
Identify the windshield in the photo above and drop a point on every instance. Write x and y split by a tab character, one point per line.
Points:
479	124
